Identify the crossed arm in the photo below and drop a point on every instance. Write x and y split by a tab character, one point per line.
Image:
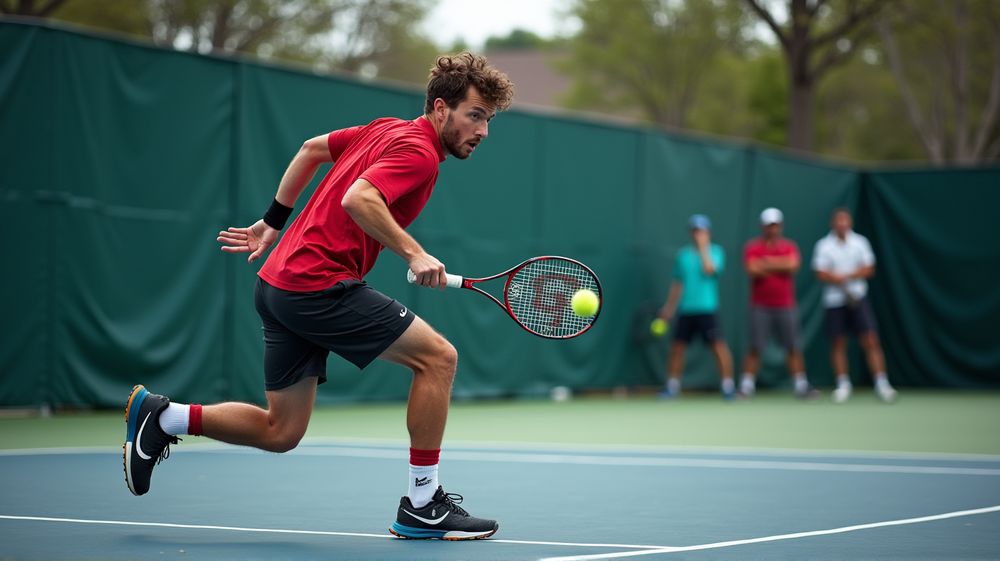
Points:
773	264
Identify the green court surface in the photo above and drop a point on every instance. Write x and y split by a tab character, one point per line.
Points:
924	421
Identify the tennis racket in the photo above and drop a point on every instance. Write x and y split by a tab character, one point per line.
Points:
537	295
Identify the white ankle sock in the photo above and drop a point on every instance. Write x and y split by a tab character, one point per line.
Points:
801	383
175	418
881	379
674	385
423	484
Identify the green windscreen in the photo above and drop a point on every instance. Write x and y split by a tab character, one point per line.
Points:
122	162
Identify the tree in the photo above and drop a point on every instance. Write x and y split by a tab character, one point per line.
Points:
945	58
858	114
516	39
372	37
816	36
647	55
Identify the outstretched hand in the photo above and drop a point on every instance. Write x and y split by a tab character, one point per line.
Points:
256	240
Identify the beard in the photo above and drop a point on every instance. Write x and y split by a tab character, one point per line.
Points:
453	140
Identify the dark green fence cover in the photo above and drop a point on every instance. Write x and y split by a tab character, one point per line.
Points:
121	162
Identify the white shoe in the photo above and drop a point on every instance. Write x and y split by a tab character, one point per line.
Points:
842	393
886	393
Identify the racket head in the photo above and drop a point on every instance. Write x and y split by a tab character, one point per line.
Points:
538	294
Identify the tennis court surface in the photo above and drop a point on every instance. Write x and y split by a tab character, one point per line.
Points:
334	497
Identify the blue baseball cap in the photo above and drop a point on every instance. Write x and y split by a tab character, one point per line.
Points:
700	221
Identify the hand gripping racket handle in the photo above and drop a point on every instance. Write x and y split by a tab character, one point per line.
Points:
454	281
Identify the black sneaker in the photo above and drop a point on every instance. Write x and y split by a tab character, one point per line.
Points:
441	518
145	442
809	394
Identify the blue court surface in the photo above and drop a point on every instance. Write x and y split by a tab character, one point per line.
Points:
335	499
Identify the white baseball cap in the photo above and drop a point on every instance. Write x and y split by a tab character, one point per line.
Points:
771	216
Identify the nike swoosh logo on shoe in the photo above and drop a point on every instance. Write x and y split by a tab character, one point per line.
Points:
427	520
138	439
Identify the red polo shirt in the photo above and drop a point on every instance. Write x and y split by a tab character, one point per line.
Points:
324	245
774	290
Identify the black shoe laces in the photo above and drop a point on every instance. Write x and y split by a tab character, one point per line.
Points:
451	500
165	453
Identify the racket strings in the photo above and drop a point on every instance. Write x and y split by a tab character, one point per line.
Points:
539	296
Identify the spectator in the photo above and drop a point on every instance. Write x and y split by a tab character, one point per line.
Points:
772	262
843	261
694	298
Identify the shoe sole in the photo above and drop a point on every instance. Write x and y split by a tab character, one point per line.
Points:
410	533
136	397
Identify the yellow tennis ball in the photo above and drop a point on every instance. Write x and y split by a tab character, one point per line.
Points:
585	303
658	327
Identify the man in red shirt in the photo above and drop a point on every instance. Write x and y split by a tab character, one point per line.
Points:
772	262
312	298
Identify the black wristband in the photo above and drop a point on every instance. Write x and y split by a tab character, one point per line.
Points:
277	214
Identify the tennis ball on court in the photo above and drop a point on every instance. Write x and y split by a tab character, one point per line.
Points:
658	327
585	303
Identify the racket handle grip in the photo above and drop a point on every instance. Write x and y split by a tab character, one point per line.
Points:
454	281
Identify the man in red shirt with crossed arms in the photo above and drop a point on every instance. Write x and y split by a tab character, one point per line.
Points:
772	261
312	299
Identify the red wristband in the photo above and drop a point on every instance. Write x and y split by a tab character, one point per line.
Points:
194	420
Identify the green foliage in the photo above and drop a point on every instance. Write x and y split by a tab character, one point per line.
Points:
859	114
125	16
743	96
768	100
946	56
647	55
517	39
372	37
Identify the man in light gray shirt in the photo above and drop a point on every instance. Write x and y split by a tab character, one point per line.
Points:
843	261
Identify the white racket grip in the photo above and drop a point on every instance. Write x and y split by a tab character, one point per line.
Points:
454	281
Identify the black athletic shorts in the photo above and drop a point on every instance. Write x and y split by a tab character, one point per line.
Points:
687	326
858	318
301	328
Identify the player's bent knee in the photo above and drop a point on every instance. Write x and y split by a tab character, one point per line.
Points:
285	442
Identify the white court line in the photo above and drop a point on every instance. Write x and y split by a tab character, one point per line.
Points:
647	461
280	531
569	459
645	549
777	538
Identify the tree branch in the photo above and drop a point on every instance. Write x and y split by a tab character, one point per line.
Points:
769	20
854	19
48	8
819	4
912	107
989	116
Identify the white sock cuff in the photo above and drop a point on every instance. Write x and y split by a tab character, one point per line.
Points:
175	418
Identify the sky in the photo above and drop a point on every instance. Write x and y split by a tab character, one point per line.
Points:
476	20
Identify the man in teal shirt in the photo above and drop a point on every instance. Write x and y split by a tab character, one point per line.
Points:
694	300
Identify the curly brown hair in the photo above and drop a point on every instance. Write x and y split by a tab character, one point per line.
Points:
452	75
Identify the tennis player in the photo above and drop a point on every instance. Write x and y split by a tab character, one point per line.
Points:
312	298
